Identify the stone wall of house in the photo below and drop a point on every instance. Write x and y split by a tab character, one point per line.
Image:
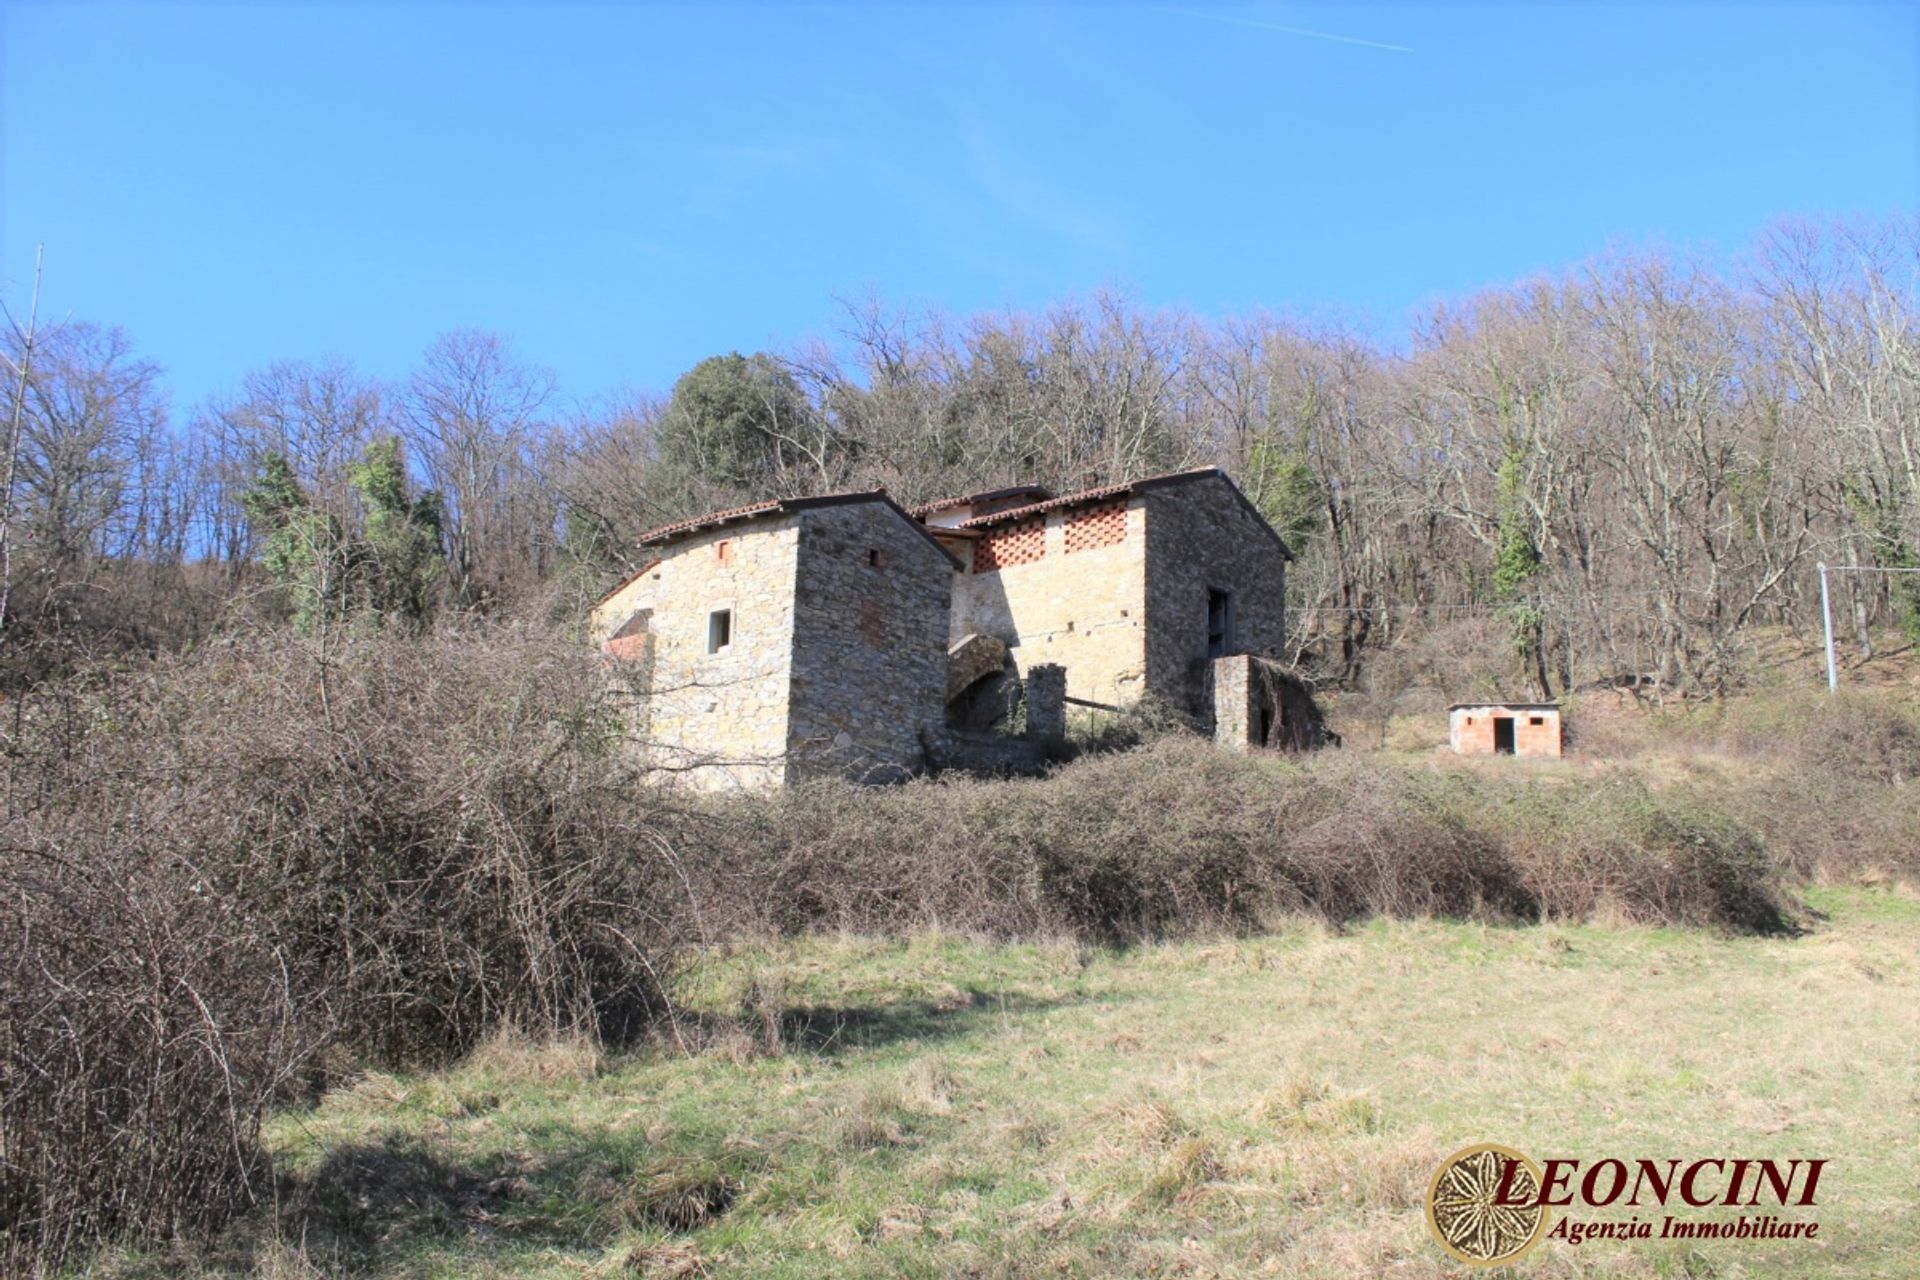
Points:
719	719
629	598
1200	538
1080	604
869	685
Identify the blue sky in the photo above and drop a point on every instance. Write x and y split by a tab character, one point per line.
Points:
628	188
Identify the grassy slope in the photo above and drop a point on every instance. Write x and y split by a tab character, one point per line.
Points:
1271	1105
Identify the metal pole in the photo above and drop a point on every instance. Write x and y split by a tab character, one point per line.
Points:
1826	616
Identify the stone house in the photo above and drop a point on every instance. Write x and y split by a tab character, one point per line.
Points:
845	634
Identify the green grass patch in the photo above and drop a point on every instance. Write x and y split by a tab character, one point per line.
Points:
1265	1105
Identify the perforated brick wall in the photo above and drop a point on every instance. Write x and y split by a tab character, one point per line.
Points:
1100	526
1019	543
1085	612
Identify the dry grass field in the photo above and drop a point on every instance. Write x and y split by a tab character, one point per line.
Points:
1169	1012
1270	1105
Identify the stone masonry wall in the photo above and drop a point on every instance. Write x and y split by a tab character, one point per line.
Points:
1235	703
1046	701
611	614
720	719
870	644
1200	538
1083	609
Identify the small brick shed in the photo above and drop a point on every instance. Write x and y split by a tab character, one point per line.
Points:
1505	728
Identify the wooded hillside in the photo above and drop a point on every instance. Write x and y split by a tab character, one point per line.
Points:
1611	473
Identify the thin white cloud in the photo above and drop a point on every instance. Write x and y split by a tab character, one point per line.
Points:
1035	202
1259	25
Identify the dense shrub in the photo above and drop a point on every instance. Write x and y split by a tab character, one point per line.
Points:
1178	837
142	1033
218	865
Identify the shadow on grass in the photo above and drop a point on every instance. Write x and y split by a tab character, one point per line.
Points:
376	1207
832	1029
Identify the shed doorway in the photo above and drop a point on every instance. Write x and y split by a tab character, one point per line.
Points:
1503	735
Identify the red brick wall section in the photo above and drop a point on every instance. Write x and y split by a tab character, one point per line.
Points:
1542	739
633	648
1529	739
1018	543
1100	526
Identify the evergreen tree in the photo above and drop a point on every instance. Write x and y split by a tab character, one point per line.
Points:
402	562
1285	489
736	420
1517	565
306	550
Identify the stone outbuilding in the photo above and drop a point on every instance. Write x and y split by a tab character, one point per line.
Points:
845	634
1505	728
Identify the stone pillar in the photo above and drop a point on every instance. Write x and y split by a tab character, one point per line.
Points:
1047	701
1234	690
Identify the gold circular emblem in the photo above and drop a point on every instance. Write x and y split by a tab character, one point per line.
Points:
1464	1212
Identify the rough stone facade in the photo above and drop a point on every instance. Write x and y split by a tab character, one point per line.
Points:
1236	710
1208	550
843	635
793	643
870	643
717	714
1505	728
1257	703
1047	702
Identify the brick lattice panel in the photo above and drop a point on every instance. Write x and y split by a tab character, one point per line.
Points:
1019	543
1100	526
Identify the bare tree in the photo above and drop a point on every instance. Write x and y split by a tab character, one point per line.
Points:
22	368
472	413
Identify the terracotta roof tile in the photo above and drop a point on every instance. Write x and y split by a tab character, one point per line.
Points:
709	520
968	499
1087	495
1128	486
779	506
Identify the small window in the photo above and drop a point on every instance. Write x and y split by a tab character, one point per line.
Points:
719	630
1219	623
723	551
1469	719
877	558
1536	720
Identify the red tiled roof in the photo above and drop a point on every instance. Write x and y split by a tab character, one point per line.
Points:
1087	495
779	506
1115	490
969	499
710	520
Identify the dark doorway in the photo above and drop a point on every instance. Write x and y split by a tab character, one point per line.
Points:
1503	735
1219	623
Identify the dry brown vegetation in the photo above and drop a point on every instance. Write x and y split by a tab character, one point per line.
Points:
235	875
299	782
1621	471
